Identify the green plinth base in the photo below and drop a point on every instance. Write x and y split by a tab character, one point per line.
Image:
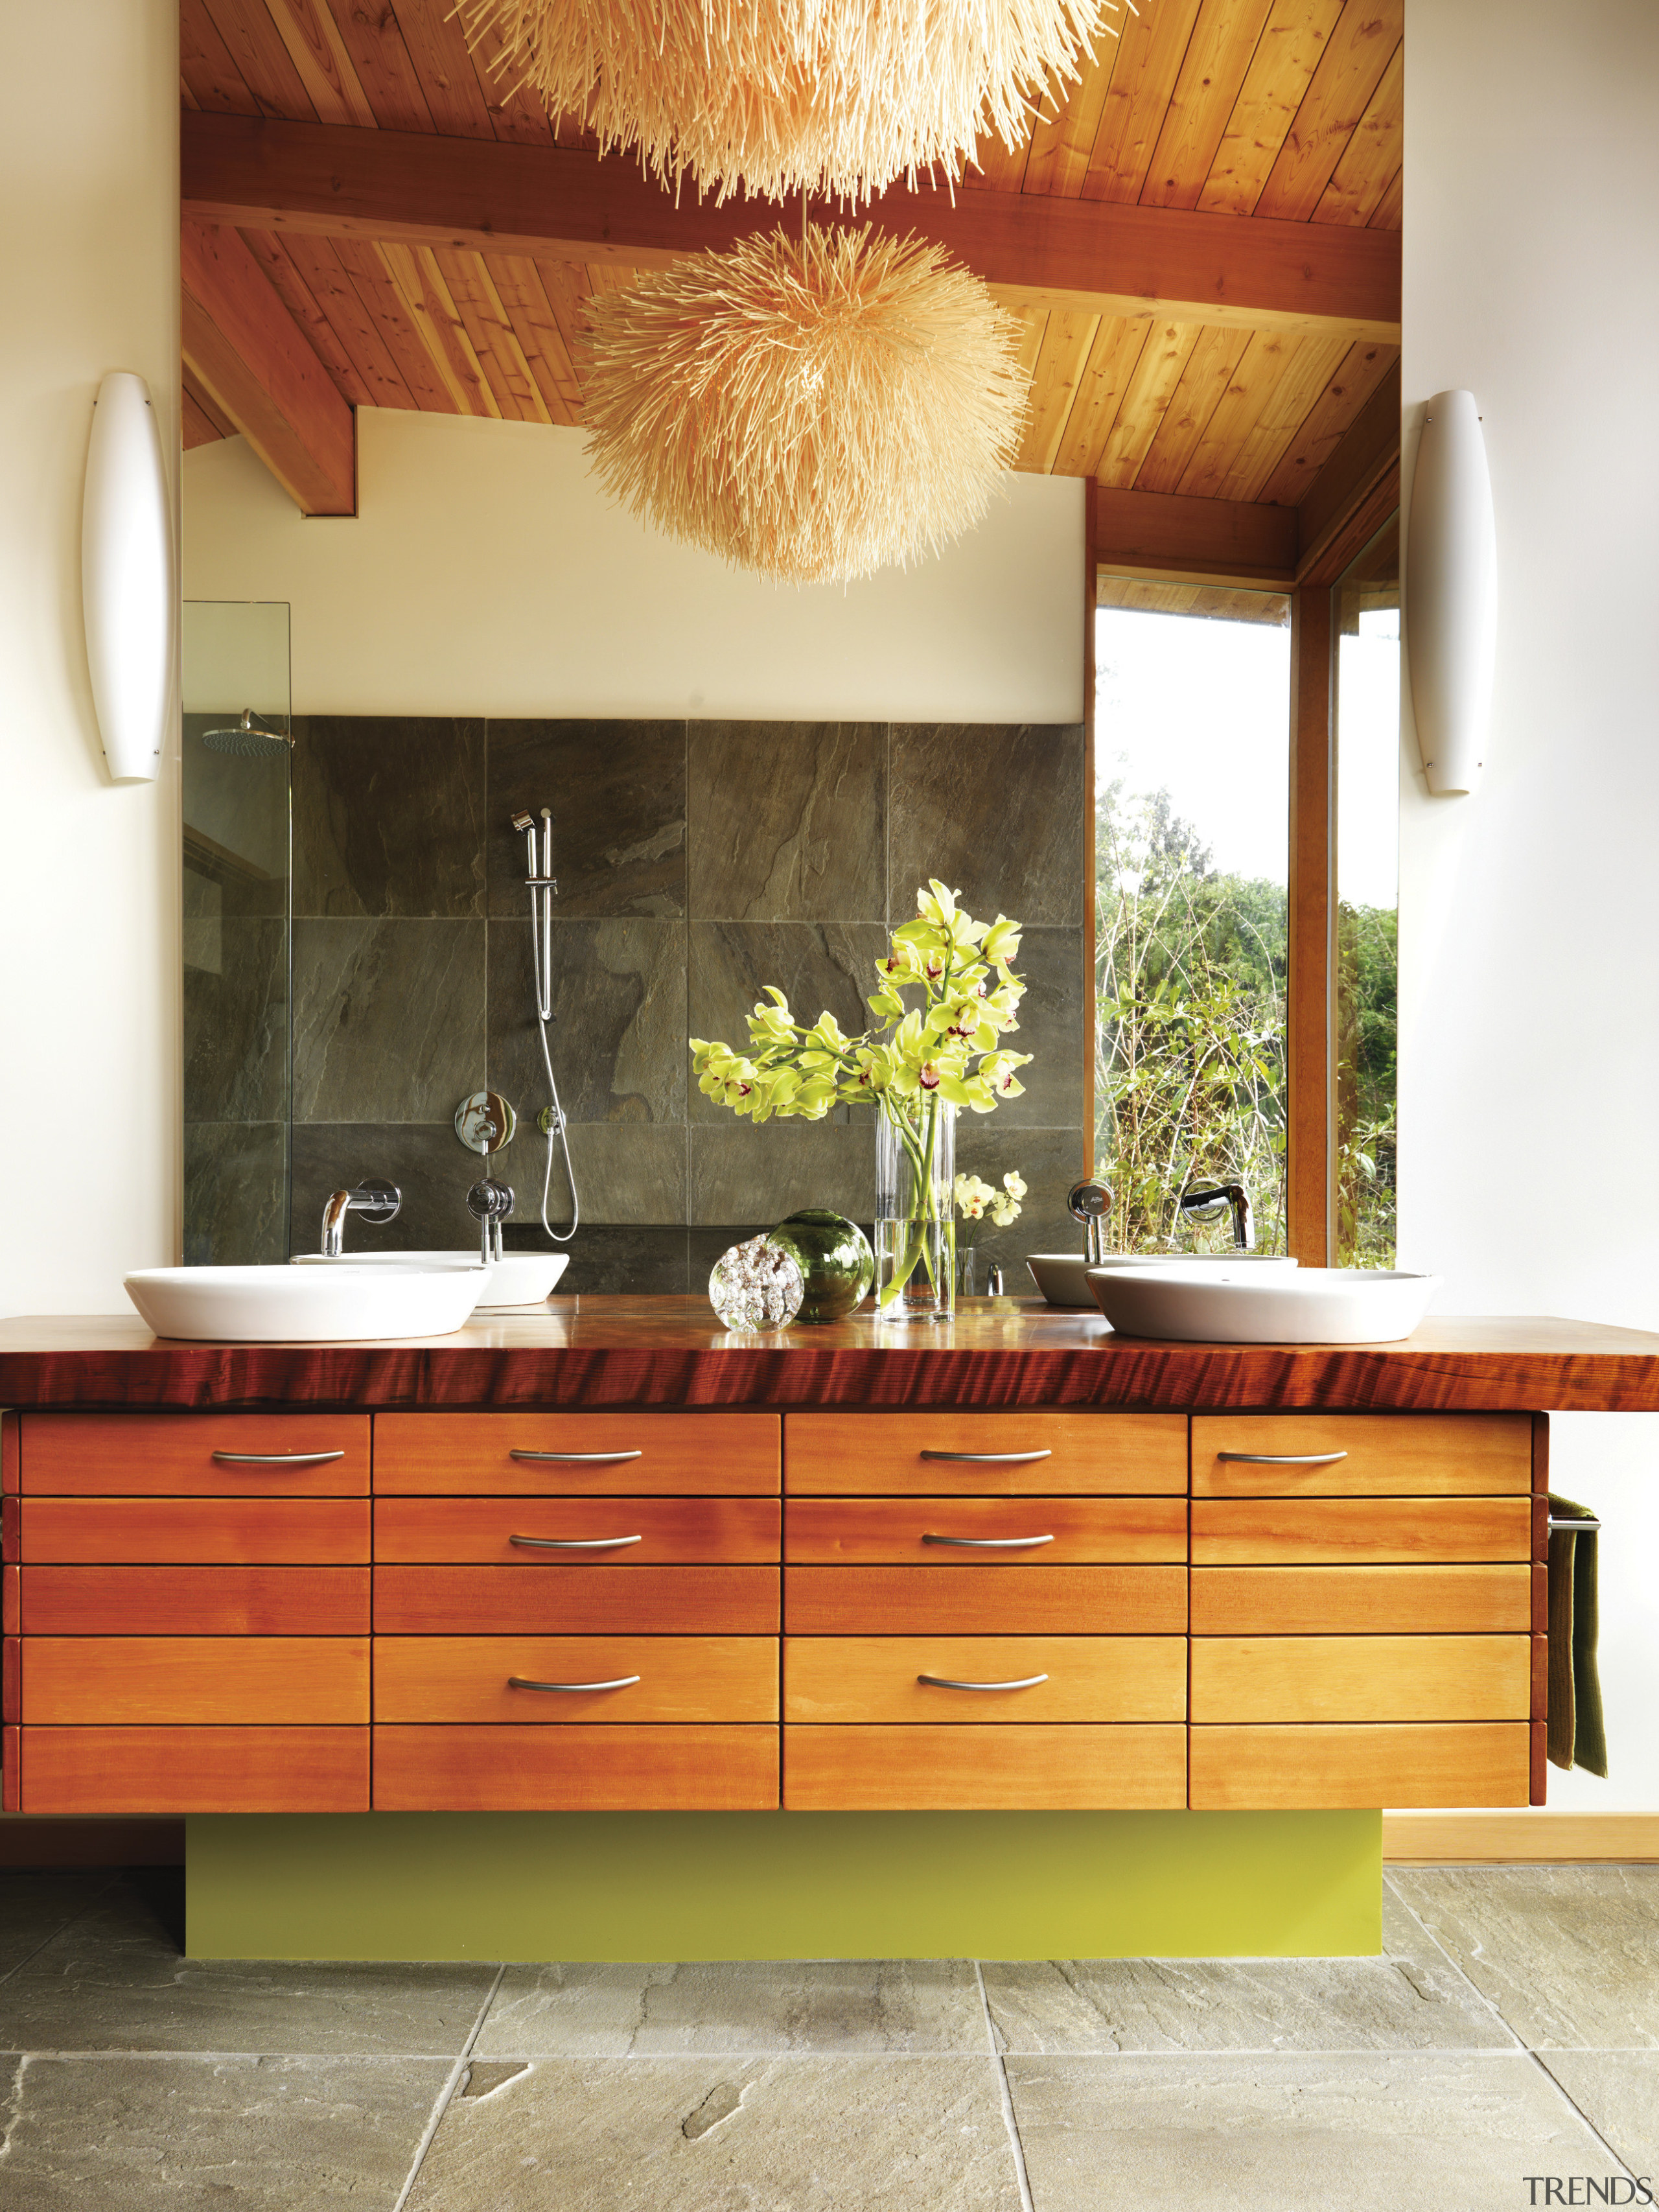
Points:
648	1886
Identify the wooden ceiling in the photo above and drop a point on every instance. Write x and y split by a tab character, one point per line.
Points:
1201	241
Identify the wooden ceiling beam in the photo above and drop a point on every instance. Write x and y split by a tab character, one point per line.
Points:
555	203
1195	540
250	357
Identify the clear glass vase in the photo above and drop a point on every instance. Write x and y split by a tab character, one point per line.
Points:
915	1227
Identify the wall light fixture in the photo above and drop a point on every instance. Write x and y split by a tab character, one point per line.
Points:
1451	594
128	601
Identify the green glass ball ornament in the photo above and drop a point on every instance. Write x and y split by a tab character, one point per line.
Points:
834	1258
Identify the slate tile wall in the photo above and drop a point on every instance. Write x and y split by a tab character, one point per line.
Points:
696	862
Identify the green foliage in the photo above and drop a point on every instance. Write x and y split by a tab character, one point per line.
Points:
1367	1077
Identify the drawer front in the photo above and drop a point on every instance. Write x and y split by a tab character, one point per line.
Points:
846	1455
946	1768
1359	1531
196	1602
595	1455
253	1532
1362	1678
1089	1678
985	1602
614	1531
161	1455
598	1769
1003	1531
679	1678
121	1681
564	1601
195	1769
1325	1600
1428	1764
1381	1454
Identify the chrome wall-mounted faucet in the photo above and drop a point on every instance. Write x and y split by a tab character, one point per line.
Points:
1208	1202
490	1202
1091	1203
375	1199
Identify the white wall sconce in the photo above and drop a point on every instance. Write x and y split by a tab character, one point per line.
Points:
1451	594
128	601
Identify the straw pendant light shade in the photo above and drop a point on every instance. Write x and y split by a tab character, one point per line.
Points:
814	408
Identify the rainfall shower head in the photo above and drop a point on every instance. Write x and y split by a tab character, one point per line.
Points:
245	738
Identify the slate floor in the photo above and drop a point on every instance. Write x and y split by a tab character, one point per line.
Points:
1509	2036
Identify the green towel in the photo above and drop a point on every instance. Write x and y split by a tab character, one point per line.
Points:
1576	1736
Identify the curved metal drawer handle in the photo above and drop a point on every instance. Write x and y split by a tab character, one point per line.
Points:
1284	1459
574	1543
523	1682
577	1459
991	1543
275	1459
990	1459
945	1682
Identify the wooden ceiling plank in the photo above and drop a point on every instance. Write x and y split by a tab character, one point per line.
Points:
489	328
1063	137
515	118
1265	360
197	430
432	317
354	328
1353	470
452	335
375	43
394	321
203	400
1034	252
605	276
568	290
1371	159
518	286
1034	328
1157	379
265	65
1194	540
244	347
1054	386
1118	346
205	65
1153	46
442	63
313	39
1293	400
1389	213
297	296
1274	87
1355	60
1217	61
1203	386
1328	421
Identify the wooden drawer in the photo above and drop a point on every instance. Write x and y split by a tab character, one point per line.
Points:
598	1455
195	1769
1359	1531
1362	1678
985	1602
217	1600
946	1768
872	1531
681	1678
651	1531
132	1681
158	1454
848	1455
1090	1678
598	1769
1381	1454
254	1532
1320	1601
1434	1763
565	1600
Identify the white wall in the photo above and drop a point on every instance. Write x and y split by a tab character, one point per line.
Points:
1529	955
89	963
487	574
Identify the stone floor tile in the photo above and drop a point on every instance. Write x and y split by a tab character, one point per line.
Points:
859	2004
1235	2134
1569	1954
708	2135
35	1905
114	1980
263	2135
1618	2092
1409	1999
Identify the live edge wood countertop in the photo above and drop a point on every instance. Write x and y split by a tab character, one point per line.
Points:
618	1351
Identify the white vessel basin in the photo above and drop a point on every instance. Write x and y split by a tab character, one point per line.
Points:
1198	1304
1062	1276
518	1278
305	1305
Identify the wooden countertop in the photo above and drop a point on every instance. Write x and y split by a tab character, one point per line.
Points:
599	1351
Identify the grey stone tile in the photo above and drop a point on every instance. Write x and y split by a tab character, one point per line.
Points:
712	2135
36	1904
388	816
1222	2133
742	1173
618	1030
236	1025
617	792
1049	1161
388	1019
1618	2092
427	1161
997	811
618	1261
236	815
1569	1954
274	2135
819	967
626	1172
1053	1029
236	1208
665	2011
705	1245
788	821
1409	1999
